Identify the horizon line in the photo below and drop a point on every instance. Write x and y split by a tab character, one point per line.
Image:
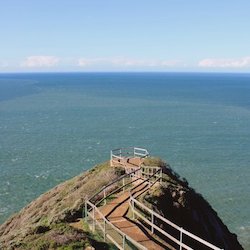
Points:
123	72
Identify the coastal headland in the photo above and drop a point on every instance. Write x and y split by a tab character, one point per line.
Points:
60	218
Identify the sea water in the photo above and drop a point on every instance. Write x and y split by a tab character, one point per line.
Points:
55	126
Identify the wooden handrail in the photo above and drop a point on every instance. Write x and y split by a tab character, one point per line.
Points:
111	183
124	236
133	201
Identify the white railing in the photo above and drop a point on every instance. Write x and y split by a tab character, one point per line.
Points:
141	152
118	238
115	186
134	204
120	155
151	175
149	172
114	234
100	222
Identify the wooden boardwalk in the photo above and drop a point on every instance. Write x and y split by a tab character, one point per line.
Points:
113	213
116	211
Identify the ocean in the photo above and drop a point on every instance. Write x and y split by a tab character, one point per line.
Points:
54	126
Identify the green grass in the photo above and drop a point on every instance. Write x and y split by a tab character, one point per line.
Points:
154	162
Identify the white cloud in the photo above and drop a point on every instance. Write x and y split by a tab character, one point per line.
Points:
243	62
126	62
40	61
172	63
4	64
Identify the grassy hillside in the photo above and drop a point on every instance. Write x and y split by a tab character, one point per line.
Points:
52	220
45	222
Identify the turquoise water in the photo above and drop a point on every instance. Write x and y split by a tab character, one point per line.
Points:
54	126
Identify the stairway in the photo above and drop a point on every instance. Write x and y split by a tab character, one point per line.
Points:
116	212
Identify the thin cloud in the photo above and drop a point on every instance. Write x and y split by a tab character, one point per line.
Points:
243	62
40	61
4	64
126	62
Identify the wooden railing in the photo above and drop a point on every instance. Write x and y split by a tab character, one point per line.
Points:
156	175
135	204
108	230
97	220
99	223
149	175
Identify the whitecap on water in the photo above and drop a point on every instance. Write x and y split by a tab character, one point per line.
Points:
3	210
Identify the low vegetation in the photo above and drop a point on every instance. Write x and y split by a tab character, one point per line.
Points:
176	201
45	222
52	220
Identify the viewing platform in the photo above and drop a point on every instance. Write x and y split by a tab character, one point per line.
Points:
131	156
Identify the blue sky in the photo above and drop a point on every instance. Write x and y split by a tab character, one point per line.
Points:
128	35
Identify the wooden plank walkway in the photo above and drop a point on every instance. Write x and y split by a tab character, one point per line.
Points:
112	219
116	212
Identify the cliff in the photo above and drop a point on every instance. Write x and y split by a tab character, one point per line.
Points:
50	221
181	204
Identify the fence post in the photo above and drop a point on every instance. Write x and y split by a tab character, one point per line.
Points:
180	238
152	221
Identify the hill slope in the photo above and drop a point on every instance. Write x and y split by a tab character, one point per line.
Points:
46	222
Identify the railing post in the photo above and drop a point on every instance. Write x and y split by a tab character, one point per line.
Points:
123	184
123	241
85	212
152	221
104	236
133	210
111	158
104	196
93	218
181	238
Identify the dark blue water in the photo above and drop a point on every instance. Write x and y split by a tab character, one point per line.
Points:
54	126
